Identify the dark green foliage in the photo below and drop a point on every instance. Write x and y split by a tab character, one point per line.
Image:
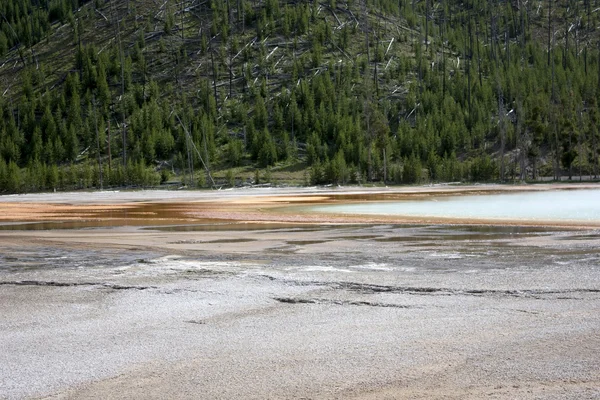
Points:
235	150
411	170
483	169
224	84
265	149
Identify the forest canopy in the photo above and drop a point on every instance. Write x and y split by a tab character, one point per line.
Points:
135	92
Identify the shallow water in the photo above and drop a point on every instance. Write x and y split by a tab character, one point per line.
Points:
556	205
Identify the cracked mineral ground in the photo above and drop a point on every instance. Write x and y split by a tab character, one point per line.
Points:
284	311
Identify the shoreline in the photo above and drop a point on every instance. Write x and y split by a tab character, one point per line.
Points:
260	205
148	306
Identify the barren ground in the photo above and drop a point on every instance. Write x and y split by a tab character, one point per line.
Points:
222	295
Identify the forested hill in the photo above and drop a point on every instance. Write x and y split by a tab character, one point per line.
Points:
138	92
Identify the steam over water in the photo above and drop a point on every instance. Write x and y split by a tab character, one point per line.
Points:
558	205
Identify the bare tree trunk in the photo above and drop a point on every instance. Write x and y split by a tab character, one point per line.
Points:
366	24
594	152
549	28
191	158
577	41
109	153
580	140
522	23
502	128
598	66
443	30
469	55
183	167
588	11
478	55
384	166
534	169
507	48
229	12
97	143
492	33
293	115
122	62
370	154
553	116
426	25
595	157
557	151
182	26
206	154
566	49
188	149
522	155
124	132
230	68
214	70
553	105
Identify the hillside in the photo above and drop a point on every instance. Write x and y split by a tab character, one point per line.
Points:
141	92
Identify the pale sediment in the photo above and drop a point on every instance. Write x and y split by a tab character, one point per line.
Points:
222	310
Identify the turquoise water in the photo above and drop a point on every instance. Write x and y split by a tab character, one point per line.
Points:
557	205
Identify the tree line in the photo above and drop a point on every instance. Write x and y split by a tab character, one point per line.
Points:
352	91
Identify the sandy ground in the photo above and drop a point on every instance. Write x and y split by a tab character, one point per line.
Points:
224	295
